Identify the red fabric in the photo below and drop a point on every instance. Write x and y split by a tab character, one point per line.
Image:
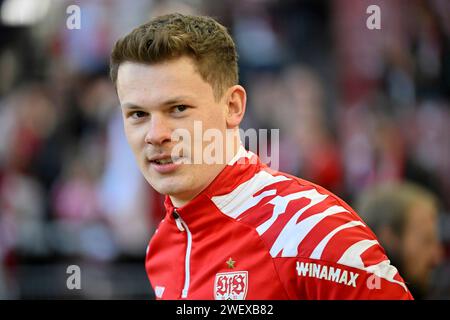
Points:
266	264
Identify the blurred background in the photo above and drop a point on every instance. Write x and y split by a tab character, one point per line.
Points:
364	113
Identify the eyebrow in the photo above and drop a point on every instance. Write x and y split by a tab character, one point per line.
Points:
171	101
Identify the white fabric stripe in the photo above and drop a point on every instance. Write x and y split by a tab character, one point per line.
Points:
352	256
254	201
385	270
318	250
159	291
241	198
242	153
187	262
291	237
290	226
280	203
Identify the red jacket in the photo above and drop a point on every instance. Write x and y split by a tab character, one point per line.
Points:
254	233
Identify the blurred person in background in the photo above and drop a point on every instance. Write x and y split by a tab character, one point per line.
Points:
404	216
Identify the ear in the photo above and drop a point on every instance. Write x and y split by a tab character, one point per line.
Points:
236	99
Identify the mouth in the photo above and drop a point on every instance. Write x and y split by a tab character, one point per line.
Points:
165	164
162	160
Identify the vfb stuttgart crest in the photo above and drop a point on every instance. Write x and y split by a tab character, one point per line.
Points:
231	285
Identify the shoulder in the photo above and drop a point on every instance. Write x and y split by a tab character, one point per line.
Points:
302	219
299	219
294	217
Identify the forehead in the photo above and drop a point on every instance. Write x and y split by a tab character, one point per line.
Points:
150	83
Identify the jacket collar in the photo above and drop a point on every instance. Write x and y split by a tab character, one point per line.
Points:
242	167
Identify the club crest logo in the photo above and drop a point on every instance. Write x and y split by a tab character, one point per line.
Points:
231	285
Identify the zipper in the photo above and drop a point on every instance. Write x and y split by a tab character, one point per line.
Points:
187	260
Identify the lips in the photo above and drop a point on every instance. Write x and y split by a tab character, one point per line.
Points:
164	163
163	159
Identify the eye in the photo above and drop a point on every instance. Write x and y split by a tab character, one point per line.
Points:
137	114
179	108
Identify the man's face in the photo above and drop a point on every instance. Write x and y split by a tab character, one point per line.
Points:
421	249
157	99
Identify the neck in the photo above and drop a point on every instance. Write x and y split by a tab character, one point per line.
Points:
232	145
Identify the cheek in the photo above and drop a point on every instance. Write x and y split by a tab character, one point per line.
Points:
216	127
415	254
135	138
215	117
409	246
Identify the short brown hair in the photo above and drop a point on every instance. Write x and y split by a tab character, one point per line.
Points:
174	35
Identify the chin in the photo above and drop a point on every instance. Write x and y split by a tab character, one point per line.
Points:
171	189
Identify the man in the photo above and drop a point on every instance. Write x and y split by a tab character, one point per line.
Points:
234	229
405	218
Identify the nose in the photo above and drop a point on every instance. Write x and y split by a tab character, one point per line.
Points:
159	132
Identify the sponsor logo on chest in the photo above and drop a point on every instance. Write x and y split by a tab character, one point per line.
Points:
231	285
338	275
